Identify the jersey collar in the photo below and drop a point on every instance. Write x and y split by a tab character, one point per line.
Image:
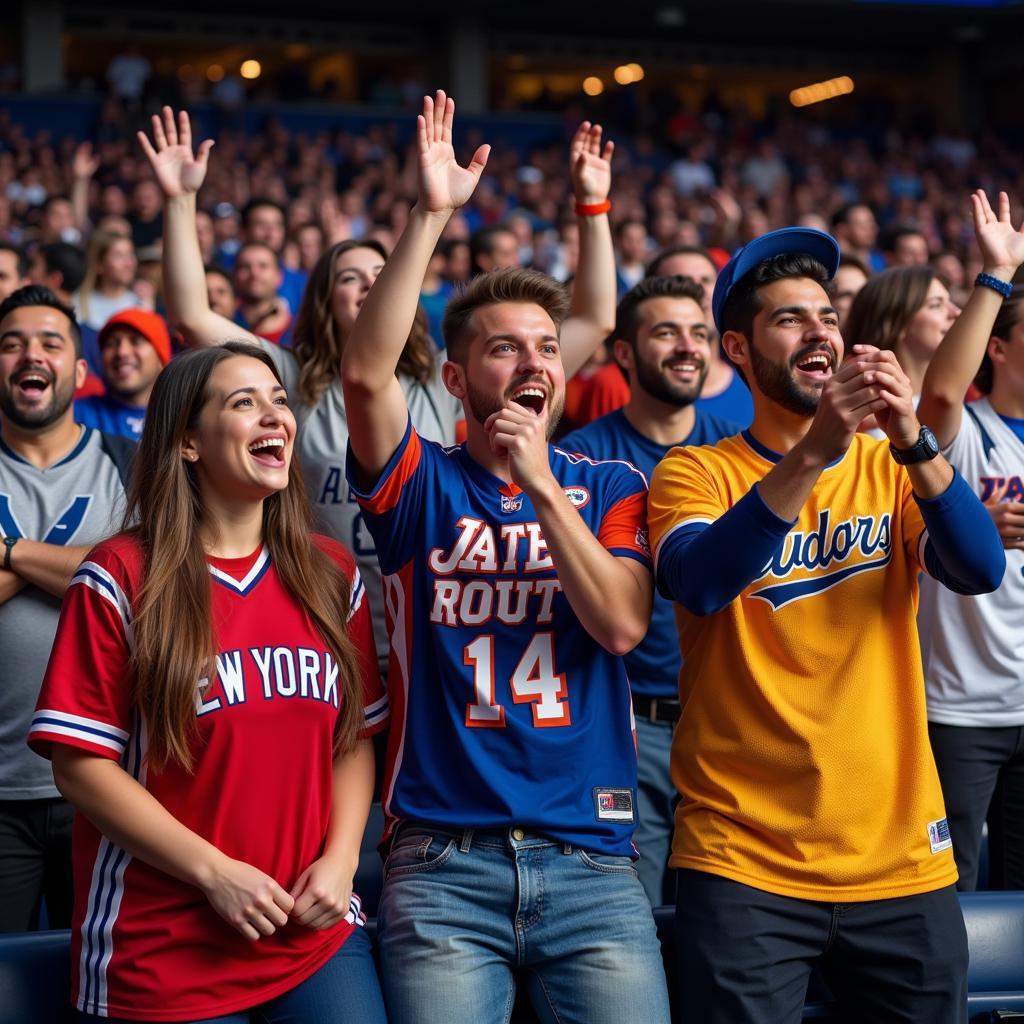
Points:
251	578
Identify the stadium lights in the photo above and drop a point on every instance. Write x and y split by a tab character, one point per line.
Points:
821	91
593	86
250	69
626	74
214	72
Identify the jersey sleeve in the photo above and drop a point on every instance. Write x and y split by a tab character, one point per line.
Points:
623	527
683	493
394	505
85	699
376	710
915	533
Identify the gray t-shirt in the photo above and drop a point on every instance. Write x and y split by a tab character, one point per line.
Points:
76	501
322	443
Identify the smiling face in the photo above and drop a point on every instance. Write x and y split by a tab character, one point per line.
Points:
130	364
796	344
242	444
669	360
257	274
512	356
354	273
39	368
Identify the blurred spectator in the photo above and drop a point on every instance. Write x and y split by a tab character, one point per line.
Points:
855	228
950	268
434	295
905	247
60	267
493	248
851	276
220	292
109	276
257	285
263	220
456	260
147	219
134	347
128	74
13	269
631	254
207	238
58	222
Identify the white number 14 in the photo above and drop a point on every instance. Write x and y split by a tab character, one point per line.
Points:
534	681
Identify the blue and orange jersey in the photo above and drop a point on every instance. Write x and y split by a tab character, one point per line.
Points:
505	711
802	755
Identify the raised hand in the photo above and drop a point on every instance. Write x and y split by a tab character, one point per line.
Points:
589	165
85	163
897	419
1002	247
178	170
521	436
443	185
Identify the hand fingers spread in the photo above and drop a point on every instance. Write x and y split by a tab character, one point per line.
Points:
158	133
170	128
184	129
147	146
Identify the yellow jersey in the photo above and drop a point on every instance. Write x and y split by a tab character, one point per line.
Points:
802	754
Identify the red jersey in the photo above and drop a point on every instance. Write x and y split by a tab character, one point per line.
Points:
145	945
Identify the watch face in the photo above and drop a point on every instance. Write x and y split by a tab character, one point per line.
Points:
929	441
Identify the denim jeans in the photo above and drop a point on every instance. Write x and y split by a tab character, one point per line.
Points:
656	805
346	988
465	913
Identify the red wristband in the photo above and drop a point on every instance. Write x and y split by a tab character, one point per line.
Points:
593	209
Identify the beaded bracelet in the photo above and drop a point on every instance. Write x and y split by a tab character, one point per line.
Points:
1005	288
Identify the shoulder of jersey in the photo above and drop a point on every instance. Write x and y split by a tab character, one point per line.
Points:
336	552
121	556
584	465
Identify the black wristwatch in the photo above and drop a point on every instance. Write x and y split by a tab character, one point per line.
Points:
9	543
927	448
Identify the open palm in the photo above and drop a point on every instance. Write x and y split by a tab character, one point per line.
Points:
443	184
178	170
589	165
1002	247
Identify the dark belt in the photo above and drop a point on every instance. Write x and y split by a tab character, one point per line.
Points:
657	709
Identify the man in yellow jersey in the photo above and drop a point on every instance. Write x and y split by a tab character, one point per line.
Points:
811	826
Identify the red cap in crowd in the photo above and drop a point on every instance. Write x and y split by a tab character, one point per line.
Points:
150	325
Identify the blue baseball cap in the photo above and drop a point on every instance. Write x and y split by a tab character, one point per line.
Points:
804	241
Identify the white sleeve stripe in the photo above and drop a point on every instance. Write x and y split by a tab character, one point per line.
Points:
96	578
678	526
66	718
921	544
357	594
376	705
42	731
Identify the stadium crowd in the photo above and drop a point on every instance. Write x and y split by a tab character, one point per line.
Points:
759	321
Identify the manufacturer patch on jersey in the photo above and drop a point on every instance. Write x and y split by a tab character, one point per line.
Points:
938	835
511	503
578	496
613	804
643	541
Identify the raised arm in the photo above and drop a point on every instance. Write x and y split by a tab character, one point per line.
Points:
374	402
957	359
592	316
180	173
84	164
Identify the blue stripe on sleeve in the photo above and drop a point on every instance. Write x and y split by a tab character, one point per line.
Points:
964	551
706	566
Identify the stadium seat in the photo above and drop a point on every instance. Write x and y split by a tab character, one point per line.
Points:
34	977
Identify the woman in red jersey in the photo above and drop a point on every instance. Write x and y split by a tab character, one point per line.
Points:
207	708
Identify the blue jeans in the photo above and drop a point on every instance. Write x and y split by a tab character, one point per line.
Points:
345	989
655	805
463	913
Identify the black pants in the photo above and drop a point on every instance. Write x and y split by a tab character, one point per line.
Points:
744	956
982	776
35	863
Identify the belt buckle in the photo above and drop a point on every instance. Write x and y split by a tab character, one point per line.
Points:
652	715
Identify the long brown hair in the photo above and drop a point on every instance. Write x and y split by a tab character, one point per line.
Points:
99	245
175	644
885	305
316	342
1010	314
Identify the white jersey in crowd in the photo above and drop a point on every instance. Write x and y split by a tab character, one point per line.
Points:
973	647
322	444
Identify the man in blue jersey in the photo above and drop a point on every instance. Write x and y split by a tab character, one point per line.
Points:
663	344
135	346
515	576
